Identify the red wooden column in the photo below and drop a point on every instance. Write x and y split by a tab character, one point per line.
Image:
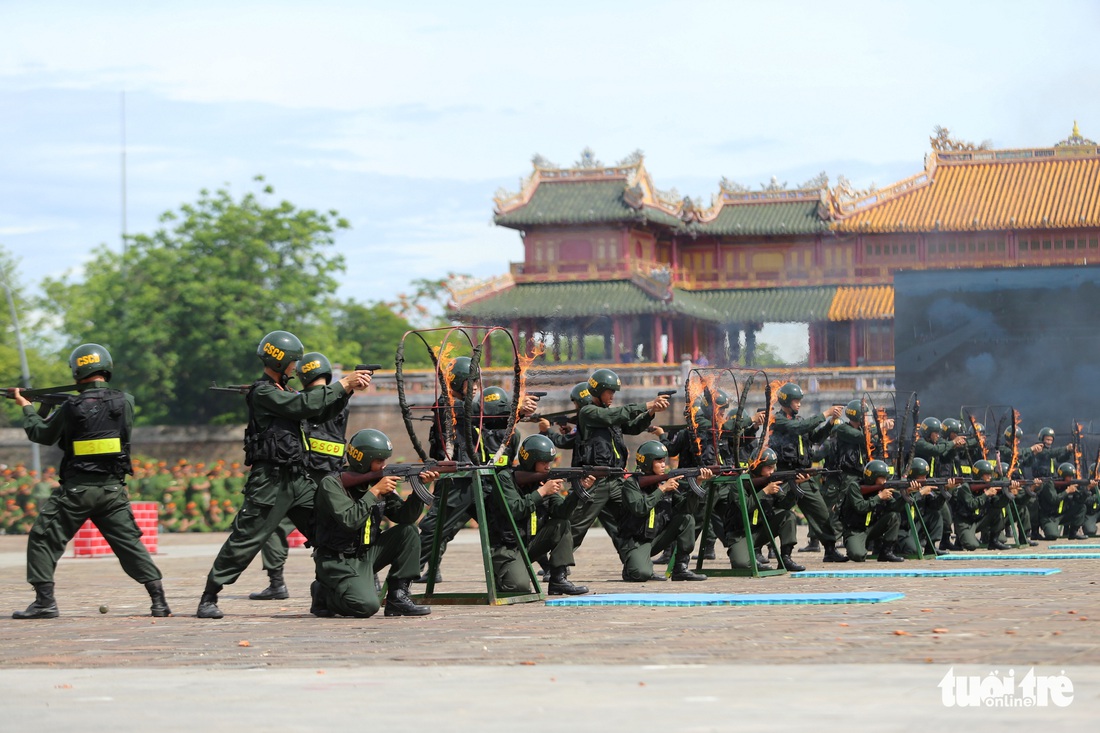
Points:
852	355
656	351
616	339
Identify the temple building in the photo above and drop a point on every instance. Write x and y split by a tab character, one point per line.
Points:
654	275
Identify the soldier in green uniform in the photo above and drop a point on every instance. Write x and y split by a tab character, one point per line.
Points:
325	439
657	517
870	518
541	516
278	485
976	511
93	429
1044	461
771	503
351	545
600	429
925	503
792	439
941	457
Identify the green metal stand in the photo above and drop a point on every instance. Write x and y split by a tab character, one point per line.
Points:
492	596
738	483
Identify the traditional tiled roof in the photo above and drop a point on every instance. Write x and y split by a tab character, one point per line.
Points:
759	219
584	299
862	303
982	190
580	202
770	305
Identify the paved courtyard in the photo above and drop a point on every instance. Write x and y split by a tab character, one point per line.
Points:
789	664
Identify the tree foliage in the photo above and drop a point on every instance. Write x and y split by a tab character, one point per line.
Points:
188	303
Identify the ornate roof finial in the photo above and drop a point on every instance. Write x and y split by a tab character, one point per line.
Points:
588	160
1075	138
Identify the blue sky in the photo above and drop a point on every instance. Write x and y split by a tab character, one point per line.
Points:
407	120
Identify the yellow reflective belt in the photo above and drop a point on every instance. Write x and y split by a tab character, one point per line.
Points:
97	447
366	532
755	516
328	447
652	518
534	524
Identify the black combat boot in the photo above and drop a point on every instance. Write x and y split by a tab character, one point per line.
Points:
761	561
664	558
275	590
997	545
160	604
317	604
785	560
44	606
831	555
398	602
931	549
208	604
562	586
945	542
812	546
887	555
681	571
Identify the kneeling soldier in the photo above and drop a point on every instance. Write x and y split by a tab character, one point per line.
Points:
656	517
350	544
772	503
541	517
872	517
978	510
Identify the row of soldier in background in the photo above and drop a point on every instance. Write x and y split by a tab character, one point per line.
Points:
1042	498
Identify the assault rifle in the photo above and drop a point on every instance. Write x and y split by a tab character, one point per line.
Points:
407	472
690	475
573	475
760	482
46	397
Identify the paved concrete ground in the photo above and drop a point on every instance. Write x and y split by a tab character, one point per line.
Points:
678	668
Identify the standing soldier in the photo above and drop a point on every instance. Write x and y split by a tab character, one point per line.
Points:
792	439
600	429
93	429
278	485
325	436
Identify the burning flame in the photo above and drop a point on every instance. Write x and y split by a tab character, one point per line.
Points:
773	390
1078	460
696	388
980	437
866	430
1015	444
525	362
880	413
445	358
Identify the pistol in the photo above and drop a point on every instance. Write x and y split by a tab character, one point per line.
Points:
667	392
537	395
372	368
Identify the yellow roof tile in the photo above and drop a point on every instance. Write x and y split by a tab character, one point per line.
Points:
862	303
1049	193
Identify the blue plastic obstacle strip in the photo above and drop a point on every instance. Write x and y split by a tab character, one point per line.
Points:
723	599
1031	556
923	573
1073	547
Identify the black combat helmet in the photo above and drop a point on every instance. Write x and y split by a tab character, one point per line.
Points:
876	469
1046	433
854	409
580	395
768	458
366	446
951	426
602	379
460	373
1067	470
89	359
918	468
788	393
930	425
984	468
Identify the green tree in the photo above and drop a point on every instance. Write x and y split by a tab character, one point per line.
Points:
369	334
187	304
47	367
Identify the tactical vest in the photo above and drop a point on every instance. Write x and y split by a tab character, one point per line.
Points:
645	528
326	442
280	443
329	534
97	438
844	456
793	450
601	446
